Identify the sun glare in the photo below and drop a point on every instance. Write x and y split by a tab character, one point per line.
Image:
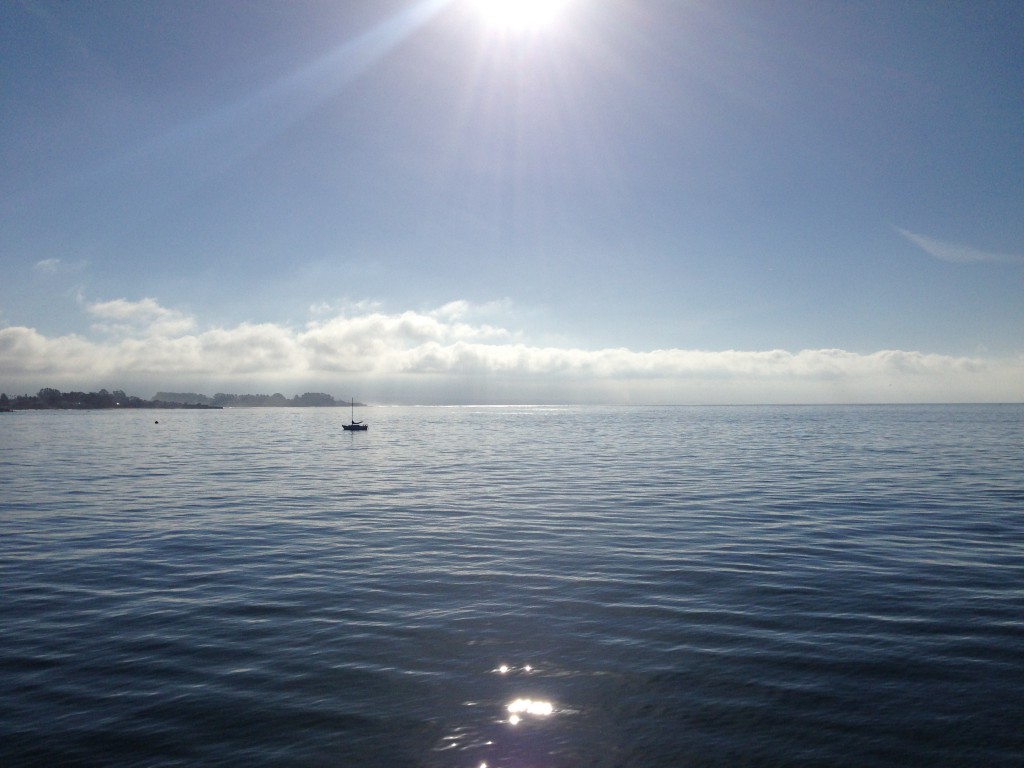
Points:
519	15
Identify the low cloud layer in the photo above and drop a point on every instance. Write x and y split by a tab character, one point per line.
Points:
448	355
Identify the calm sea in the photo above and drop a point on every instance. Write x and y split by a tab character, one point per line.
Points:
513	587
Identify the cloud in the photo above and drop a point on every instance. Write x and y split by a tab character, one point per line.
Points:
145	317
47	266
958	254
58	266
444	356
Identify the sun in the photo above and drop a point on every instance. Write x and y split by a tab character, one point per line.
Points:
519	15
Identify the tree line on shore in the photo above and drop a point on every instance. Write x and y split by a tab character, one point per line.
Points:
276	400
49	398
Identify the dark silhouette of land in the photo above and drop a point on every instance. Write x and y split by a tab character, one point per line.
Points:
48	398
276	400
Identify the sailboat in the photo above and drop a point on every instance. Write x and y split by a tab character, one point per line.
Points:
355	426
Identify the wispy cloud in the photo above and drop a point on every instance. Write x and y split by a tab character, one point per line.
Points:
442	355
956	253
47	266
56	266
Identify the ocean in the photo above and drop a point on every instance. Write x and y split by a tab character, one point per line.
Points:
511	587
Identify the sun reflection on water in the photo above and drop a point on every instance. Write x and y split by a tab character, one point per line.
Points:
535	707
518	709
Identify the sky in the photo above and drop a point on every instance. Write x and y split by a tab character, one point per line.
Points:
447	201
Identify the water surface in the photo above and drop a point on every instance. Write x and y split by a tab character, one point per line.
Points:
642	586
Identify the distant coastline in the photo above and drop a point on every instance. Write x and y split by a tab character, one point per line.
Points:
276	400
53	399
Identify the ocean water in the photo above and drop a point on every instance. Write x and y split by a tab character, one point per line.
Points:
512	587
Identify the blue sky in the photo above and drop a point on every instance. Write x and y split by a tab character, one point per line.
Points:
634	201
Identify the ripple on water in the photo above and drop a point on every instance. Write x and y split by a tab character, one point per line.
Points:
713	586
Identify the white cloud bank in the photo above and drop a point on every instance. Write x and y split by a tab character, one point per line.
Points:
445	357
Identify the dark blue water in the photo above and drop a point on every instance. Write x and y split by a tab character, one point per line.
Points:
513	587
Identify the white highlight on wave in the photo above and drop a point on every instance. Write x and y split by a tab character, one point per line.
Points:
535	707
